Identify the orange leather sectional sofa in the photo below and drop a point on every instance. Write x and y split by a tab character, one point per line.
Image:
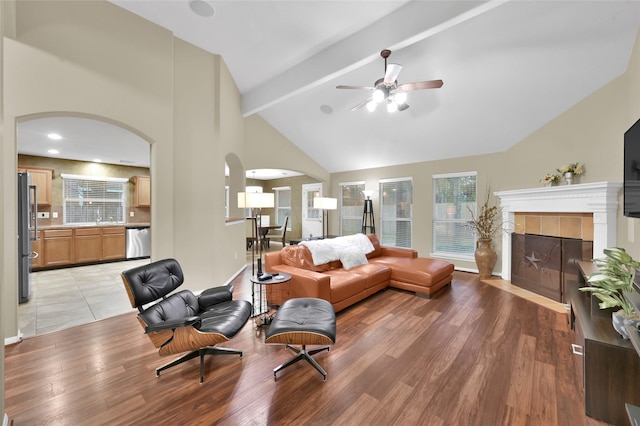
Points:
385	267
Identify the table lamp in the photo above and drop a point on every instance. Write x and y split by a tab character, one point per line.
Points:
256	200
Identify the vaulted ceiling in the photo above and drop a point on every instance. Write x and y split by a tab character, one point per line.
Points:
508	68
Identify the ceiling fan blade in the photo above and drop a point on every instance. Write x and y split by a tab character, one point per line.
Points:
361	104
432	84
391	74
403	107
342	86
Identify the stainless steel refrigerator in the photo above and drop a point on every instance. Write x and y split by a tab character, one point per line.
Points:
27	233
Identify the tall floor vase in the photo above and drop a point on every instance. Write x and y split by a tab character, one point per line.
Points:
486	258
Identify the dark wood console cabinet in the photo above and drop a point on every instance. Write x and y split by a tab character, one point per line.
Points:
607	364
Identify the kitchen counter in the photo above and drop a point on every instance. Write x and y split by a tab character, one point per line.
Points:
92	225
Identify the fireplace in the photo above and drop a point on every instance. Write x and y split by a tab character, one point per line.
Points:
544	264
600	199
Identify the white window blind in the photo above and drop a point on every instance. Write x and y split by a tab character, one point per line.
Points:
91	200
283	204
396	199
351	207
454	198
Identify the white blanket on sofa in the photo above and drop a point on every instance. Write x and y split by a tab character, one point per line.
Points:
328	250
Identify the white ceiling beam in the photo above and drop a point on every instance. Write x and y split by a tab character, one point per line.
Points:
409	24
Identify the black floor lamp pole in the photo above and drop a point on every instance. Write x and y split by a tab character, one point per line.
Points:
368	222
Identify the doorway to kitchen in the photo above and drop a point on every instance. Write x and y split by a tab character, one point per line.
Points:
76	278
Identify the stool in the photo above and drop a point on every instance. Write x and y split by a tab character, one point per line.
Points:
303	321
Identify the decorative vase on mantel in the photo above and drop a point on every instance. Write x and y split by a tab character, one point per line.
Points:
568	176
486	258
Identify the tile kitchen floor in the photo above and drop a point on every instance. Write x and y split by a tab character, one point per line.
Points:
62	298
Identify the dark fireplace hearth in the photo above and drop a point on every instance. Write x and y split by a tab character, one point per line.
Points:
543	264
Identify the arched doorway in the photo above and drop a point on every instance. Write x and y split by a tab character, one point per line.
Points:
80	289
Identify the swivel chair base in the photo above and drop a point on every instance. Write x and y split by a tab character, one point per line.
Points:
208	350
303	354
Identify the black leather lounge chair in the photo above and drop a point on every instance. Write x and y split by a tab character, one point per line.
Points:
183	322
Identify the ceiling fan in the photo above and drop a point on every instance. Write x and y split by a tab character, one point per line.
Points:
387	88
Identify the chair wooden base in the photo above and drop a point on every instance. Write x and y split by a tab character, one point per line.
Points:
306	355
208	350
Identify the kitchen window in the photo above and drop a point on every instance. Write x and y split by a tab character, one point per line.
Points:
454	198
396	207
92	200
351	207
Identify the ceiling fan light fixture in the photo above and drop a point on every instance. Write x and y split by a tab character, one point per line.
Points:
371	106
392	106
400	97
379	95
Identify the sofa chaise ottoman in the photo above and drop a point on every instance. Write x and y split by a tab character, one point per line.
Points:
355	274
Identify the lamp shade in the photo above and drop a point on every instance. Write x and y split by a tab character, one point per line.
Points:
325	203
253	200
367	193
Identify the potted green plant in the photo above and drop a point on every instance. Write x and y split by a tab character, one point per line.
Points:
615	275
486	225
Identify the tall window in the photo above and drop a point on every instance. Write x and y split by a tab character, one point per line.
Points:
283	204
396	199
454	198
90	200
351	207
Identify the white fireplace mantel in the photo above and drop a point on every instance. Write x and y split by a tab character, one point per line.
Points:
600	198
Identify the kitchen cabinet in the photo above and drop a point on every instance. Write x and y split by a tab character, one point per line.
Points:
87	245
58	247
114	243
38	262
141	191
75	246
40	177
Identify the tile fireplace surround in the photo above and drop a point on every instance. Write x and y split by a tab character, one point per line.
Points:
600	199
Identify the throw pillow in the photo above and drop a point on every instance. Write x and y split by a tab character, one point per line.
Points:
351	259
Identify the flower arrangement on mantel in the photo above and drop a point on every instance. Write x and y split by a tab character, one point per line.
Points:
485	223
551	179
575	168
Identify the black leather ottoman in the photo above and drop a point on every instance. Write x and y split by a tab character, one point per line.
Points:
304	321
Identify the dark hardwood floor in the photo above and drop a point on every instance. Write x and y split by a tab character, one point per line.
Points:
473	355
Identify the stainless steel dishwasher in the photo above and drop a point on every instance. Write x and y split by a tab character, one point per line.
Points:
138	242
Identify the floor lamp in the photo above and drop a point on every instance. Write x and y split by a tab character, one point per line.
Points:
256	200
368	221
325	204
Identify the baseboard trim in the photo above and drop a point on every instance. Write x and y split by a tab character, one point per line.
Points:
13	339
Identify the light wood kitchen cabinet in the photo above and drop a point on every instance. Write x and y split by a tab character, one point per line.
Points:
40	177
58	247
74	246
114	243
38	262
141	191
87	245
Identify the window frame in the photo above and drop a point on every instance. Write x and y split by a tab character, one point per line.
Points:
469	256
384	220
341	213
277	208
66	198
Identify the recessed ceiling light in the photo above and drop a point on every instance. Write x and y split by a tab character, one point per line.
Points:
54	136
53	151
97	160
202	8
